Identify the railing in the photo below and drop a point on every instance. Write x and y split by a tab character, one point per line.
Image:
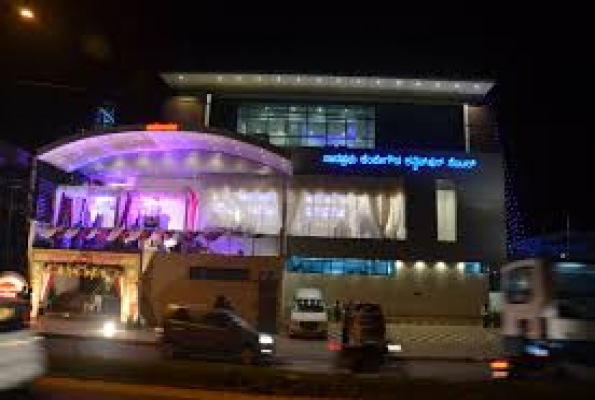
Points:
218	241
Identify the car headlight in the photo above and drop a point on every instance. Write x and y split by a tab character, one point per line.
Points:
109	329
394	348
265	339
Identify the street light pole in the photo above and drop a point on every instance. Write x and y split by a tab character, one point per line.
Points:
8	242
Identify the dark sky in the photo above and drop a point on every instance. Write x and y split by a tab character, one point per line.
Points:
81	53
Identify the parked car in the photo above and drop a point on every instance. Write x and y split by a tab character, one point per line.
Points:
216	334
308	314
22	356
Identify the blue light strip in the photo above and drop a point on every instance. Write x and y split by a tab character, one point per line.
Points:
410	161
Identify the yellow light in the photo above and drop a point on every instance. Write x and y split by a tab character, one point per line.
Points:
161	127
26	13
500	365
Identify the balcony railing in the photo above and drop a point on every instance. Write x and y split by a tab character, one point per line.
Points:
214	241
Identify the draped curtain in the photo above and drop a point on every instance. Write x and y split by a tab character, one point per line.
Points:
346	214
446	208
251	206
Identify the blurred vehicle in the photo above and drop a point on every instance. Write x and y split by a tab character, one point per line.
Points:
22	356
364	346
308	314
216	334
548	314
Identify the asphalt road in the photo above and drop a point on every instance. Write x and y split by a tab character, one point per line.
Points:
301	355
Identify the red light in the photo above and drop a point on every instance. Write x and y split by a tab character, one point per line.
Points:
334	345
161	127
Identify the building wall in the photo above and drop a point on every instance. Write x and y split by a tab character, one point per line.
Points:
187	111
410	294
481	228
167	281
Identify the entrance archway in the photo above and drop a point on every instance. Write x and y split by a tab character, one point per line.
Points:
102	274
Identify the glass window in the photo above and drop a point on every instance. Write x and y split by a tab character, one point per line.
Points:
309	126
256	126
217	319
181	314
518	286
347	215
446	211
340	266
574	280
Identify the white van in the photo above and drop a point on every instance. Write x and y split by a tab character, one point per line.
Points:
308	314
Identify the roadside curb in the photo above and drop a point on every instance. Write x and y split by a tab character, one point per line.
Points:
442	359
150	391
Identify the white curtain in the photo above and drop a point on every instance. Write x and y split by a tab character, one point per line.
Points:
345	214
395	227
446	209
246	208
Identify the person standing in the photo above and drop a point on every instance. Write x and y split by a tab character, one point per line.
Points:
485	316
336	312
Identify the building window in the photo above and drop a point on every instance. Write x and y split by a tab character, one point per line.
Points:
219	274
309	126
340	266
446	211
517	285
347	214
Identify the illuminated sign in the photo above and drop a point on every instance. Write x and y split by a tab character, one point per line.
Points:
11	284
161	127
409	161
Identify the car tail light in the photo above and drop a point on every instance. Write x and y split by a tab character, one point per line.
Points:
500	369
334	345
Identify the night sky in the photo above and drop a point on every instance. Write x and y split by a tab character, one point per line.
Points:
79	54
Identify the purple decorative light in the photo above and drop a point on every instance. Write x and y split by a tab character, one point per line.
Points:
77	154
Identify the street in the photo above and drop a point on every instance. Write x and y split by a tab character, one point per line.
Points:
292	354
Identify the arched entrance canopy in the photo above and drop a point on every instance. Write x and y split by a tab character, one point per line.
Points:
80	153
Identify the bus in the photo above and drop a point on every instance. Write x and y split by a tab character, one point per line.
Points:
548	310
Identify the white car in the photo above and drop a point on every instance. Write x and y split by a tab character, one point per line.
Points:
308	314
22	355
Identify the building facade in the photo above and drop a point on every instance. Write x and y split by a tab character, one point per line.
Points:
371	189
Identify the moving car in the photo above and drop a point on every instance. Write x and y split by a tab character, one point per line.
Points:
364	345
216	334
308	314
22	356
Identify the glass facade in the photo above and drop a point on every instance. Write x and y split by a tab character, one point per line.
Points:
289	125
356	266
340	266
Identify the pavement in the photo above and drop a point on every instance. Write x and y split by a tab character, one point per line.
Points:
72	389
446	342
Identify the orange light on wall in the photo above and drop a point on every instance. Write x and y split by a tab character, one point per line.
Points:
161	127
